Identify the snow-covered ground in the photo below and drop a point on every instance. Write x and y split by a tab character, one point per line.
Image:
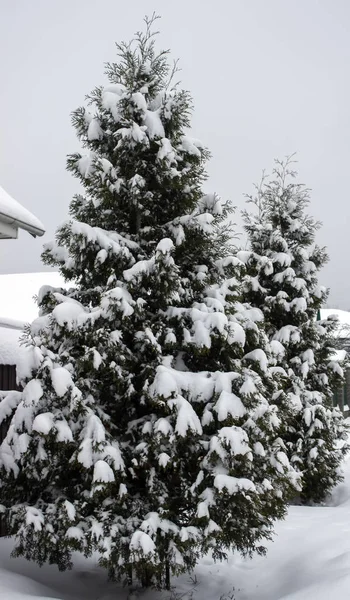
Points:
309	560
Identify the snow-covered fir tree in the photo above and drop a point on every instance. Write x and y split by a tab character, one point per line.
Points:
282	280
144	430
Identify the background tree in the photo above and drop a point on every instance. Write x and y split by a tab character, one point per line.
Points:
284	263
143	432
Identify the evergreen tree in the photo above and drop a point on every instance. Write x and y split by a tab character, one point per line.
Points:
144	431
283	264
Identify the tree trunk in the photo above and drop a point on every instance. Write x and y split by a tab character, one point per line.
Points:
138	220
129	575
167	575
135	219
146	578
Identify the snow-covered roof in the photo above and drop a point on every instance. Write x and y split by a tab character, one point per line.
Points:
343	315
17	307
17	293
14	216
10	349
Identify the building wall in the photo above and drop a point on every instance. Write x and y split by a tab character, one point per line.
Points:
7	382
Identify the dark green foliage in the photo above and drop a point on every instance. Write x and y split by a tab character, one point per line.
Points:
284	263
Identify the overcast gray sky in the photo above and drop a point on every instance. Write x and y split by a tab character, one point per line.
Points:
268	78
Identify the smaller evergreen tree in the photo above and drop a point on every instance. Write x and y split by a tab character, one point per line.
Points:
283	264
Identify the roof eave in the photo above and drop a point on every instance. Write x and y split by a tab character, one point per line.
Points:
32	229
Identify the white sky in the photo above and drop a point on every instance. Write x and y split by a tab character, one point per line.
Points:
268	78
